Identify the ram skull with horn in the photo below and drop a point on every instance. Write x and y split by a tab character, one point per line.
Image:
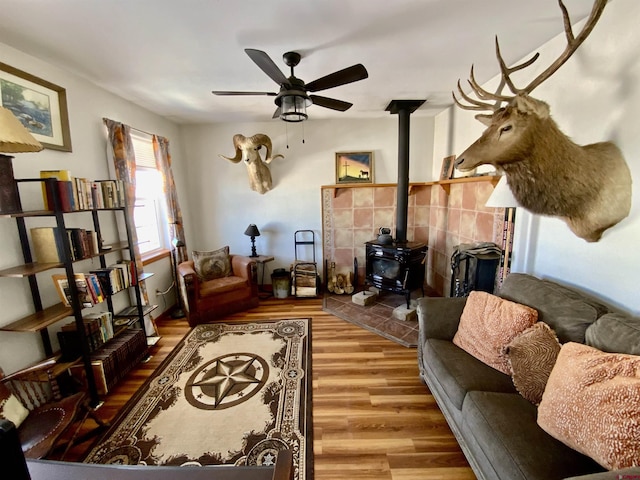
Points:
248	150
589	186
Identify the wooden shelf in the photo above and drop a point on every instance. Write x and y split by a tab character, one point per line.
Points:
28	269
446	184
39	320
132	311
51	213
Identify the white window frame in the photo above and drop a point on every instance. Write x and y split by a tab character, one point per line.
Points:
153	231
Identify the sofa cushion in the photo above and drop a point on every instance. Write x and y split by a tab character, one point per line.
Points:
488	323
615	333
504	426
459	372
222	285
568	312
212	264
532	355
592	404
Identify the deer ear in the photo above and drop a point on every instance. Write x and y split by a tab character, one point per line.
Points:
527	104
484	119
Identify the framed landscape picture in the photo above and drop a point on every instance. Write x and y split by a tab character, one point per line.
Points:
40	106
354	167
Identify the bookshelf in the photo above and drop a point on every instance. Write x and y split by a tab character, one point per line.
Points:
44	317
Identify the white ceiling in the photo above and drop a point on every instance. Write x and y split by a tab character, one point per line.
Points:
167	55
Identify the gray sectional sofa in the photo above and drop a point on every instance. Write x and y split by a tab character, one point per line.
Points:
495	426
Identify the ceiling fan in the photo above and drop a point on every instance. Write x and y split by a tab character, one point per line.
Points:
292	99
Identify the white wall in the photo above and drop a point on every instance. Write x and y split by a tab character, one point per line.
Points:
87	104
594	97
224	204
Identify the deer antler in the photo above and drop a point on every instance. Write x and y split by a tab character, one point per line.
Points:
573	42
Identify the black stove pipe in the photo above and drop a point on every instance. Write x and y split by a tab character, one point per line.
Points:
404	108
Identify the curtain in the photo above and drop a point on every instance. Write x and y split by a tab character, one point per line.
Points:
125	165
174	214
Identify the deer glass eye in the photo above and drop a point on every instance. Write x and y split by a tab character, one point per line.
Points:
506	128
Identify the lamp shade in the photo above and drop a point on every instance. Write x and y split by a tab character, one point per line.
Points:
14	137
252	231
502	197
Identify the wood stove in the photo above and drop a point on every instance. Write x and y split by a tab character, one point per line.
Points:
396	267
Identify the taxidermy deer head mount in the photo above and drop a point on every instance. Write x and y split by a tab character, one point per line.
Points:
247	150
588	186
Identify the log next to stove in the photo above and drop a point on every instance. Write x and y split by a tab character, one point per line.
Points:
399	266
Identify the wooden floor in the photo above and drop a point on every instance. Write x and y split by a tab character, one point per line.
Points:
373	417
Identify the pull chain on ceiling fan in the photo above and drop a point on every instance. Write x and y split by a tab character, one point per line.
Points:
293	99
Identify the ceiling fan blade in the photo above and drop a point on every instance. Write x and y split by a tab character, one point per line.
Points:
269	94
265	63
331	103
341	77
277	113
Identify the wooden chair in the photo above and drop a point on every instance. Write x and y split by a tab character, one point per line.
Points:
207	300
33	392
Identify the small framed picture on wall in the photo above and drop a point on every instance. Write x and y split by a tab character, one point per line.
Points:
354	167
447	167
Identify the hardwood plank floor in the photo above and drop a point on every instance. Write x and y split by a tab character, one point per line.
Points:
372	416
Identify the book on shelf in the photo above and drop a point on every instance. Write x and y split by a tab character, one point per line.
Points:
77	193
115	359
98	330
46	194
89	294
47	244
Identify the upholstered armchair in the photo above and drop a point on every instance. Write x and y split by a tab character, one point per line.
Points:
232	288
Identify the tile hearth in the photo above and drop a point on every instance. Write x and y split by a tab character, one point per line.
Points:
377	317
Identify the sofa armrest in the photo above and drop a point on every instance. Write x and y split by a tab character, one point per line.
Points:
439	317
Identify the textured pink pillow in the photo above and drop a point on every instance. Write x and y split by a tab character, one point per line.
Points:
487	325
592	404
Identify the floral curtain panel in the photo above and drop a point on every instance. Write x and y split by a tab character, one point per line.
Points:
174	214
125	165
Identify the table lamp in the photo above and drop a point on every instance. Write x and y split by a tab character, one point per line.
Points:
253	232
14	138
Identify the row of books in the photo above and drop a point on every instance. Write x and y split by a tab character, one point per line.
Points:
89	289
95	286
116	277
114	359
98	330
48	248
77	193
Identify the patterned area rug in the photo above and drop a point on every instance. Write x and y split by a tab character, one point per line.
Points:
227	394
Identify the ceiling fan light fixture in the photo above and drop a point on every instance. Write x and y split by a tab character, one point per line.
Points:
294	108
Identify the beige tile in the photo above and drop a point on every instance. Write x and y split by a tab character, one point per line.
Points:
467	223
343	238
363	197
343	198
383	217
421	216
384	197
455	195
363	217
343	218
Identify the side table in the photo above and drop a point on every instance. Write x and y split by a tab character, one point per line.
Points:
261	260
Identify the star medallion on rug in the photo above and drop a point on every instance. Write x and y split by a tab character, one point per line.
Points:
227	394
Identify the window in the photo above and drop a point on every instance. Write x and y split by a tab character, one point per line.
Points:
149	212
